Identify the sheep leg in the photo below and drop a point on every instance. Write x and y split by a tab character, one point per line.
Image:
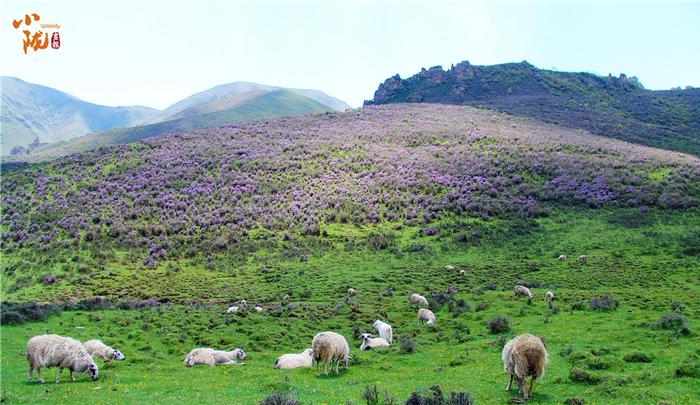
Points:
532	386
510	383
58	374
71	375
337	364
31	373
520	385
38	372
325	368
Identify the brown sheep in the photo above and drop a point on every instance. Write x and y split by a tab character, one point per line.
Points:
523	356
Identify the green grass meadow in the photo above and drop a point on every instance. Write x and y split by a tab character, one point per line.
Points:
645	265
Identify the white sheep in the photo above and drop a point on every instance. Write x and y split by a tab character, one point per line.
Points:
582	259
522	356
417	299
385	330
522	291
449	267
352	291
285	298
426	315
330	347
297	360
232	309
462	273
562	258
58	351
371	342
549	296
213	357
258	309
96	348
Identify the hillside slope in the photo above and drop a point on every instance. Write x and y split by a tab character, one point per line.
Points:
249	106
30	111
617	107
146	245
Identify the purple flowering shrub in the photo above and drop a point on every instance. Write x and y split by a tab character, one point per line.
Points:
204	191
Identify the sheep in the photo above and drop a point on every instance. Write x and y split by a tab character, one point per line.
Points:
549	296
371	342
426	315
232	309
97	348
285	298
462	273
258	308
562	258
385	330
522	356
292	361
582	259
449	267
417	299
352	291
330	347
522	291
58	351
213	357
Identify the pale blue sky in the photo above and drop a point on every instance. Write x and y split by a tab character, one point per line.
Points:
157	53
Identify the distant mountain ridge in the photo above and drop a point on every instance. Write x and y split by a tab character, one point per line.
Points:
618	107
29	114
31	111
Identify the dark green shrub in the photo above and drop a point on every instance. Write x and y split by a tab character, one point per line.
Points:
689	368
673	321
11	318
498	324
580	375
406	344
279	398
604	303
637	357
434	396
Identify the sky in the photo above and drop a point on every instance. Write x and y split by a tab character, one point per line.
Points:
154	54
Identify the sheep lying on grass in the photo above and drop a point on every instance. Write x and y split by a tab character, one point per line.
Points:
462	273
582	259
562	258
371	342
352	291
417	299
523	356
58	351
213	357
426	315
330	347
97	348
522	291
385	331
292	361
449	267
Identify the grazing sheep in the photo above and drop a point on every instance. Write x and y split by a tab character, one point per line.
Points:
285	298
562	258
352	291
97	348
582	259
58	351
426	315
258	308
292	361
330	347
232	309
549	296
213	357
371	342
522	291
417	299
449	268
524	356
462	273
385	330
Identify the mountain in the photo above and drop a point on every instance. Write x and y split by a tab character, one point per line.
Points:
235	91
618	107
249	106
220	105
31	111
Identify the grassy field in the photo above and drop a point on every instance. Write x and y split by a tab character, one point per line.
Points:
644	262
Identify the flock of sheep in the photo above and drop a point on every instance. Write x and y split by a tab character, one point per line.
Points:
523	356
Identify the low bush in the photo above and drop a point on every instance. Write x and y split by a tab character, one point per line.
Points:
434	396
406	344
580	375
637	357
279	398
689	368
11	318
498	324
603	303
